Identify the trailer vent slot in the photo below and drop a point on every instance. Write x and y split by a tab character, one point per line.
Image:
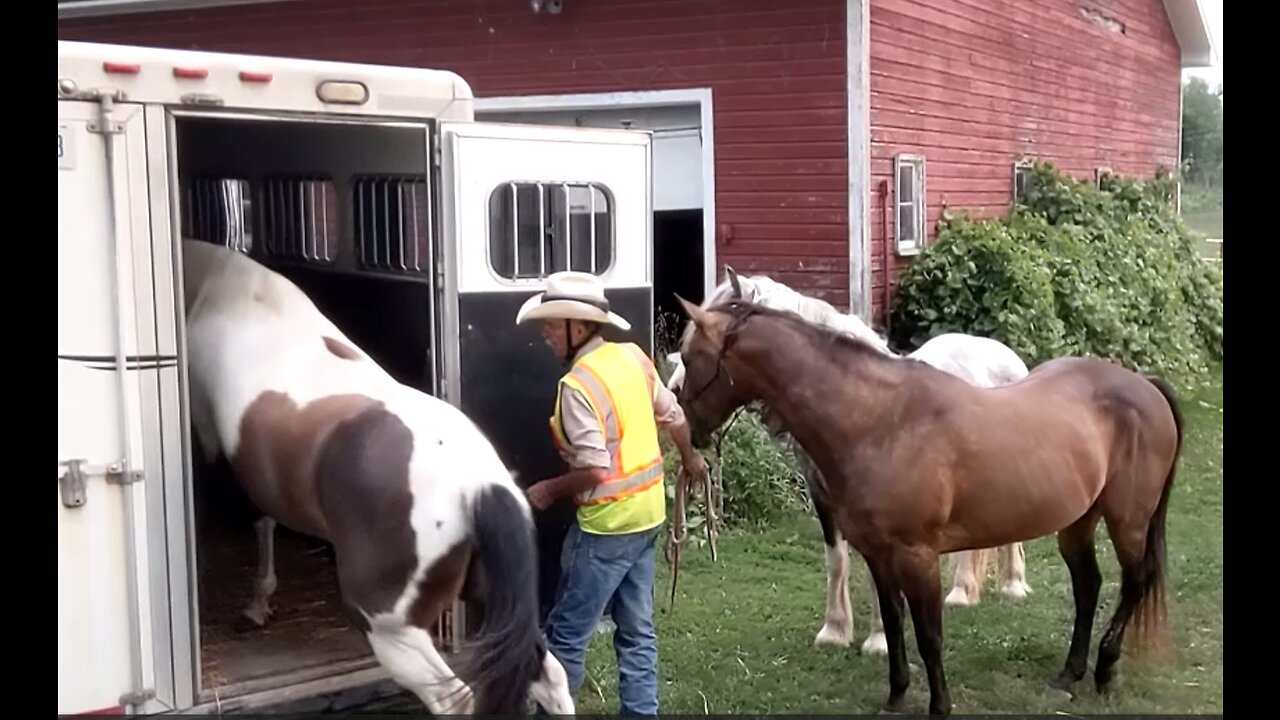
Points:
393	222
219	210
538	228
300	218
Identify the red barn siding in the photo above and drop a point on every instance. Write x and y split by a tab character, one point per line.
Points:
777	73
974	84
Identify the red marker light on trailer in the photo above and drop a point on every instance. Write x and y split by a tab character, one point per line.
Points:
195	73
119	67
251	76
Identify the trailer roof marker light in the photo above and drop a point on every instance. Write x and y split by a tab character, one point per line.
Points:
121	68
343	91
190	72
255	76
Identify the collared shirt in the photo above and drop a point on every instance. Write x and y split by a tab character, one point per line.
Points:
582	428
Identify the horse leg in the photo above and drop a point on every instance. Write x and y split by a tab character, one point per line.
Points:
1015	572
837	626
918	576
259	609
891	606
875	644
1075	543
411	658
1141	588
966	589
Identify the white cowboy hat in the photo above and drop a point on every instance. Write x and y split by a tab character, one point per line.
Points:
571	295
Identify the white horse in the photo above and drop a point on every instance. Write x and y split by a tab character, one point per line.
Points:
979	360
417	504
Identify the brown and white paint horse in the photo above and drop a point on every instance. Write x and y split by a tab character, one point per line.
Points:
417	504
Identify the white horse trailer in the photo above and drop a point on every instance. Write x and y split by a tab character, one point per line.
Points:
416	229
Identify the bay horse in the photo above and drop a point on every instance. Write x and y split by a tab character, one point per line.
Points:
415	501
919	463
982	361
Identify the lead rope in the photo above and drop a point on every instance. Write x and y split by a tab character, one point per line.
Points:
713	499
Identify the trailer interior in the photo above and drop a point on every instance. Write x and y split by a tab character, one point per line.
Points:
347	212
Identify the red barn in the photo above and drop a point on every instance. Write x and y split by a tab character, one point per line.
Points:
815	140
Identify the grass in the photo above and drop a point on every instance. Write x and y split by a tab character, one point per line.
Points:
740	637
1202	210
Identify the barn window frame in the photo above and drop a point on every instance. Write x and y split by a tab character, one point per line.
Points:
1099	173
509	256
1023	170
916	206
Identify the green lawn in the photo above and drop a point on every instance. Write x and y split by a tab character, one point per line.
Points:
740	637
1202	210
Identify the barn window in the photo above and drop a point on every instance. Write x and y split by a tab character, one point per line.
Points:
218	210
908	226
300	218
1099	175
392	222
1022	174
537	228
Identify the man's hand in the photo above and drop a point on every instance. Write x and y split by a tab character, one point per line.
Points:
695	464
539	495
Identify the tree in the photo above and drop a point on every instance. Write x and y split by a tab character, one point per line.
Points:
1202	132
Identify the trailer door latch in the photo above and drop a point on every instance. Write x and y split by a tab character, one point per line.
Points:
72	480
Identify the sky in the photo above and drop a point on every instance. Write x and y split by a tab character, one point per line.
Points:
1211	75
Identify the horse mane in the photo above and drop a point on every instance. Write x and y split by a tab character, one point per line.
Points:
764	290
739	311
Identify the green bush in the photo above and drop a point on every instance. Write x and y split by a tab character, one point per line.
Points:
1110	272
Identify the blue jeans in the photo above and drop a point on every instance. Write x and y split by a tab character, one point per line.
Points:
617	571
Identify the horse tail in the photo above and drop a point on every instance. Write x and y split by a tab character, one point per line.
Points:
506	654
1149	615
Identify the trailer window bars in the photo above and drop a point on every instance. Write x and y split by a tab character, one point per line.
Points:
392	220
218	210
300	218
537	228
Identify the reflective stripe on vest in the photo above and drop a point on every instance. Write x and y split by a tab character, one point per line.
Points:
635	459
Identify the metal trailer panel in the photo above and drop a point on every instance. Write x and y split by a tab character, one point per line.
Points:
108	416
257	82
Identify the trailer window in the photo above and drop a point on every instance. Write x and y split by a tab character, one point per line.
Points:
392	222
300	218
218	210
537	228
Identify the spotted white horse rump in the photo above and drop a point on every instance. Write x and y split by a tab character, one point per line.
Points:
415	501
978	360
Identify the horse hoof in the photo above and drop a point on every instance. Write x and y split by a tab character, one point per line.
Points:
894	706
958	597
1015	590
831	637
875	645
245	624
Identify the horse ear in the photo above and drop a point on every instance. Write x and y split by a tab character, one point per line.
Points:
733	280
695	313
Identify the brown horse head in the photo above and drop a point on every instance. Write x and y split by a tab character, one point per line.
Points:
708	393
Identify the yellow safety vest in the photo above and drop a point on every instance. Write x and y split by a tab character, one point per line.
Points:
617	381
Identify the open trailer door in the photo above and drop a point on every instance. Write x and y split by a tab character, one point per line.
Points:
113	636
521	202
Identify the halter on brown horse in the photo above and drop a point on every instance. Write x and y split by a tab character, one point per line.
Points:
920	463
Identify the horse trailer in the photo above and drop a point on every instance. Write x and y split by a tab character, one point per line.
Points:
418	230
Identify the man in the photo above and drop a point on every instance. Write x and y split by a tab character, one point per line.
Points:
608	408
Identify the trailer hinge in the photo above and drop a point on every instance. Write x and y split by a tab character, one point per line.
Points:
72	482
137	697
